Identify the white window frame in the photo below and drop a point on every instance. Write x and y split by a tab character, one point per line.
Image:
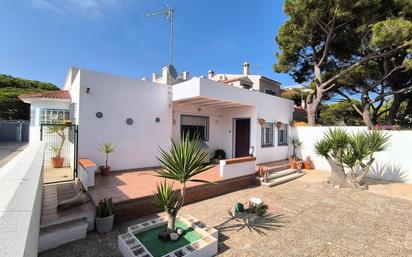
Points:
54	116
267	132
283	130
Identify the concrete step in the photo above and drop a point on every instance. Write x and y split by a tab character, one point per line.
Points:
275	166
283	179
278	174
56	235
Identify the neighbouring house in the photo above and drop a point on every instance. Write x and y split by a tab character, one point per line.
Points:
248	81
139	116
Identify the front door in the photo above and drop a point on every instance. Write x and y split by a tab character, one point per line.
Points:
242	137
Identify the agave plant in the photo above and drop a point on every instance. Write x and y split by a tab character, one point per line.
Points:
59	130
181	163
107	149
342	149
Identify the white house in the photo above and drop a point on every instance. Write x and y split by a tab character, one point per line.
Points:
139	116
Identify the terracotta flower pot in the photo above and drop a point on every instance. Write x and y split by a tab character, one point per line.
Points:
105	170
293	165
57	162
307	165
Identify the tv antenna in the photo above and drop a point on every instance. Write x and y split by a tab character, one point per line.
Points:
168	13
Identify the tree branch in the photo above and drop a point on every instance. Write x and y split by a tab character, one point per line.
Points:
361	61
351	102
400	91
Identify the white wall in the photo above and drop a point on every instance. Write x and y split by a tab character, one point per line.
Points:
21	183
120	98
394	164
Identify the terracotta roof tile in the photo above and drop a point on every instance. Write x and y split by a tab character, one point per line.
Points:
62	94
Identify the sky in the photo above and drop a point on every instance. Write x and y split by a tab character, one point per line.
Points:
42	39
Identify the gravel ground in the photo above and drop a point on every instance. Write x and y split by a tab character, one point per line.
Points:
307	218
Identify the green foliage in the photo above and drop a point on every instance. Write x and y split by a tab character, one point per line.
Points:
259	209
10	88
296	143
184	161
394	31
105	208
165	198
106	149
351	149
340	113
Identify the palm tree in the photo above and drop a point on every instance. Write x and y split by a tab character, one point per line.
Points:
58	130
342	149
106	149
184	161
296	143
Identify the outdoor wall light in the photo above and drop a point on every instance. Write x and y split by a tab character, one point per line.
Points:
251	151
87	90
129	121
99	115
157	119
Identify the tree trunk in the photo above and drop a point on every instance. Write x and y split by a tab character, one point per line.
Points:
365	170
367	117
171	220
397	100
337	176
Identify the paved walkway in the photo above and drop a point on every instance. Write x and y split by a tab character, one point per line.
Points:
310	218
8	150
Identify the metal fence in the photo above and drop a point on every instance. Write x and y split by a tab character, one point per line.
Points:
14	130
60	158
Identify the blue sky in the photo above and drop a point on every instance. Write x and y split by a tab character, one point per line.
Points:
41	39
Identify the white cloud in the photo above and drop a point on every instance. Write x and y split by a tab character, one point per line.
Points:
94	8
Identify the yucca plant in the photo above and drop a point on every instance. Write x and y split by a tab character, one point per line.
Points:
107	149
59	131
181	163
342	149
105	208
296	143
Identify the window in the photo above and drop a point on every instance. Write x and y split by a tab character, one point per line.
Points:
271	92
54	116
267	134
283	135
195	126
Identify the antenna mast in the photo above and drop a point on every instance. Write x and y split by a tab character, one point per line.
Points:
168	13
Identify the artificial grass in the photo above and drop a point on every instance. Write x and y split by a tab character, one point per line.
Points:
159	247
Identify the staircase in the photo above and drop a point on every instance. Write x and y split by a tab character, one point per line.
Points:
278	173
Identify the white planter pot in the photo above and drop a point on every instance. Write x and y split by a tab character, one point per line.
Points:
104	225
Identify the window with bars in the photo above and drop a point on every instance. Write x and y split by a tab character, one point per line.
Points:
283	134
54	116
195	126
267	134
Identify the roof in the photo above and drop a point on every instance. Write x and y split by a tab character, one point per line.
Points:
242	78
62	94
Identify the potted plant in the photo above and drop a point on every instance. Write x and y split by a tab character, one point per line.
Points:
57	160
293	162
261	121
296	143
106	149
104	215
307	164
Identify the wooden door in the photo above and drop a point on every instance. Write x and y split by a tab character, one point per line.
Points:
242	137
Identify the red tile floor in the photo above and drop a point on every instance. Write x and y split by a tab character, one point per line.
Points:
126	186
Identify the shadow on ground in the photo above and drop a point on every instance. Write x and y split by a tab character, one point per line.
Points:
236	222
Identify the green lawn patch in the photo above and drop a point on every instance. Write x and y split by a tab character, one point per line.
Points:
159	248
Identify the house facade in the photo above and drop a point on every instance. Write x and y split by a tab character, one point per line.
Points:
139	116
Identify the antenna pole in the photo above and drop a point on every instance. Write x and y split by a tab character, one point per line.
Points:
169	13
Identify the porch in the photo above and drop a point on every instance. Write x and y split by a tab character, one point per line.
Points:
133	191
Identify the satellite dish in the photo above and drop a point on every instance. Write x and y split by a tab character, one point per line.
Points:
172	71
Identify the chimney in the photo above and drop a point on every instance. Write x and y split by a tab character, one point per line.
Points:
154	77
210	74
246	68
185	75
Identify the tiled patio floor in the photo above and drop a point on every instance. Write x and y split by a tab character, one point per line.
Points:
136	184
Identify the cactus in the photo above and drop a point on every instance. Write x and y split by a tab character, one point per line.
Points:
105	208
